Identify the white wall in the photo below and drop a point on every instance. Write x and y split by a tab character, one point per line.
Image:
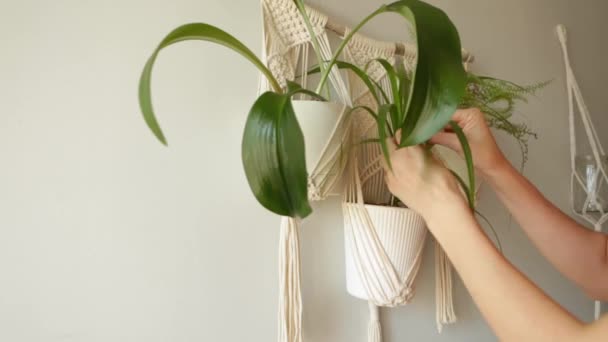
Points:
107	236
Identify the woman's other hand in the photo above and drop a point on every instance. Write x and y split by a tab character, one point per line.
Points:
487	157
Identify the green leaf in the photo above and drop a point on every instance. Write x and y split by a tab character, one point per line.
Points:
492	229
404	85
394	80
468	190
294	88
196	31
274	157
439	79
369	141
359	73
367	109
468	157
383	127
464	187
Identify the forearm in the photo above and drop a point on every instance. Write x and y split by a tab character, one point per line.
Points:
515	308
577	252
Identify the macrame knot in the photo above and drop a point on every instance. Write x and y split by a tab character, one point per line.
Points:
404	297
314	194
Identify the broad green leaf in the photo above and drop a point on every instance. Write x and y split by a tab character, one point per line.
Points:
468	157
196	31
439	79
274	157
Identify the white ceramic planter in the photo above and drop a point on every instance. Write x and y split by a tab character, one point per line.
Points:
324	127
402	233
317	120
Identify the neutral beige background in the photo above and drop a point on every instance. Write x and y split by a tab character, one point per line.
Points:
107	236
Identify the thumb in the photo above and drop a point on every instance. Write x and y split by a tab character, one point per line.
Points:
449	140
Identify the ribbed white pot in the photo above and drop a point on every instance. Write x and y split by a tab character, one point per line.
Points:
317	120
402	233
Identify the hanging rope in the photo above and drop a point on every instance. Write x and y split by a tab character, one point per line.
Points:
575	99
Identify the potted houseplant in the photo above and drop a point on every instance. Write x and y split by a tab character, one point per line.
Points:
385	240
274	153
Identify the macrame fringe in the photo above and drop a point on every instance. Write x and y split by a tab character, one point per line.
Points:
290	297
374	330
443	289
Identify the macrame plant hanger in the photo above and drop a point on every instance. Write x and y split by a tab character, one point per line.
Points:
386	284
286	46
580	181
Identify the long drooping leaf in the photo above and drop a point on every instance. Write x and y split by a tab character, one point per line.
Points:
404	85
468	157
391	74
294	88
274	156
439	79
384	131
369	83
485	219
367	109
196	31
465	188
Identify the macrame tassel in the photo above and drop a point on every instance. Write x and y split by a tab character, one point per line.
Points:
290	297
374	331
443	289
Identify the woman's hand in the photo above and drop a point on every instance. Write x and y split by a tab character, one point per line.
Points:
487	157
420	181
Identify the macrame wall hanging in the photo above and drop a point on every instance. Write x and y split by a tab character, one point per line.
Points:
384	245
589	179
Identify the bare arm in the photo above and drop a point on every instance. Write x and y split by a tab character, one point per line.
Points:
515	308
578	253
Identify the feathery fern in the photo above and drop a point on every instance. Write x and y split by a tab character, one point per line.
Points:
497	99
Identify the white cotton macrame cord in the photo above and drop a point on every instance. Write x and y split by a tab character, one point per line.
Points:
443	289
374	330
290	299
575	95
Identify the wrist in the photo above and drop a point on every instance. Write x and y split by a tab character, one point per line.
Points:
442	220
497	169
445	204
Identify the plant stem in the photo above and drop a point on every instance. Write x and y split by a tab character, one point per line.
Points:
326	72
